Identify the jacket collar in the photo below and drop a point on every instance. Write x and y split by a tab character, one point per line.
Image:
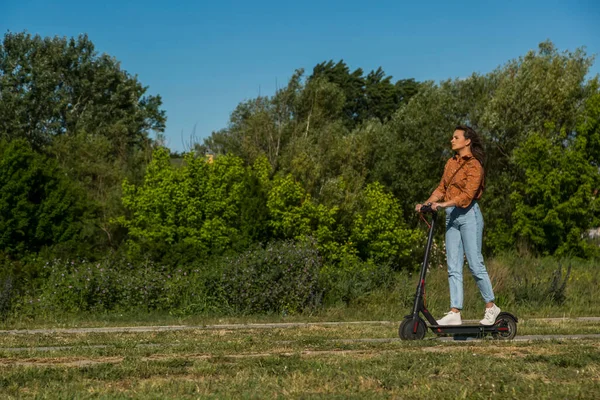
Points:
464	158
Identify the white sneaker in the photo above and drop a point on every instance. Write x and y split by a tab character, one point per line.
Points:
491	314
450	318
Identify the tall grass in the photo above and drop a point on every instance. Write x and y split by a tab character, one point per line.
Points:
114	293
524	285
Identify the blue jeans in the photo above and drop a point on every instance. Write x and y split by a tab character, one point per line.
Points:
464	231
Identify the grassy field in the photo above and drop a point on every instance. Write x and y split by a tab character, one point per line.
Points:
349	360
342	361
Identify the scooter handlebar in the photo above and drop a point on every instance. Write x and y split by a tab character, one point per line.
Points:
426	209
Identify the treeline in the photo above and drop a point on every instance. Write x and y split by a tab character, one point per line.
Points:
306	195
338	131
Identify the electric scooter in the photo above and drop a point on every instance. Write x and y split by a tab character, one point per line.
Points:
413	327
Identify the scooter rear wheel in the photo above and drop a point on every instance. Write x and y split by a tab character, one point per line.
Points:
407	329
508	322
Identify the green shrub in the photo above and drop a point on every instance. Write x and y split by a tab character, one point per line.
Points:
281	277
194	210
379	230
352	278
70	286
7	291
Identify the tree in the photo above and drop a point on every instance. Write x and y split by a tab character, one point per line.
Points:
556	202
81	108
262	126
379	231
352	85
59	86
543	92
410	153
366	97
39	206
197	209
381	96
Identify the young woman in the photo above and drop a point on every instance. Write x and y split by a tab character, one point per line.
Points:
460	188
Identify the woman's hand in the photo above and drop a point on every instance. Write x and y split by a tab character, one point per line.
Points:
435	206
418	207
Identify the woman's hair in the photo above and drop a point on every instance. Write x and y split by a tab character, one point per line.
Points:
476	143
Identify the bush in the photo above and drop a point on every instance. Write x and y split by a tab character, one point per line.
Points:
352	278
6	296
70	286
281	277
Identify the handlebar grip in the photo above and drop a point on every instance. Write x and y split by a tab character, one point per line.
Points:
426	209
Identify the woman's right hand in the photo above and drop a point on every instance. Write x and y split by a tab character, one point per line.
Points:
418	207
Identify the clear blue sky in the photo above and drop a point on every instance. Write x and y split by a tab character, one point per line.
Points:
204	58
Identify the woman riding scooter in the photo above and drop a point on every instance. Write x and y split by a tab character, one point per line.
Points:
459	189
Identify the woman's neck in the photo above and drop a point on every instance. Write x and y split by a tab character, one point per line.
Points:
464	152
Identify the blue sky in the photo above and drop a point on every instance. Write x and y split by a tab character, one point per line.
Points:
204	58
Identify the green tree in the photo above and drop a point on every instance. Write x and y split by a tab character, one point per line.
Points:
81	108
39	206
55	86
352	85
542	93
293	215
405	90
556	202
197	209
381	96
410	152
366	97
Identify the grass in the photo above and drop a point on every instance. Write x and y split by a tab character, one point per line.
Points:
324	361
525	286
307	362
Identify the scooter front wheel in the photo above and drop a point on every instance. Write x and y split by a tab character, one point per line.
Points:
411	329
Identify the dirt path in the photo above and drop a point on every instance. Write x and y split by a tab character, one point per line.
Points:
457	339
71	361
281	325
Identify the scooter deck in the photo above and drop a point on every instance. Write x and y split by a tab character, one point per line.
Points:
465	329
470	329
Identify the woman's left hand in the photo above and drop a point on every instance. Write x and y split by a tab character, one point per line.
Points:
435	206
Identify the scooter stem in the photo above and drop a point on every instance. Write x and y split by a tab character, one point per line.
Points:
421	284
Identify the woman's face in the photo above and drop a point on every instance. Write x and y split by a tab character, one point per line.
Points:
459	142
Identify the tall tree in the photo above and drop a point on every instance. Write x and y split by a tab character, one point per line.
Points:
380	95
56	86
81	108
352	85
